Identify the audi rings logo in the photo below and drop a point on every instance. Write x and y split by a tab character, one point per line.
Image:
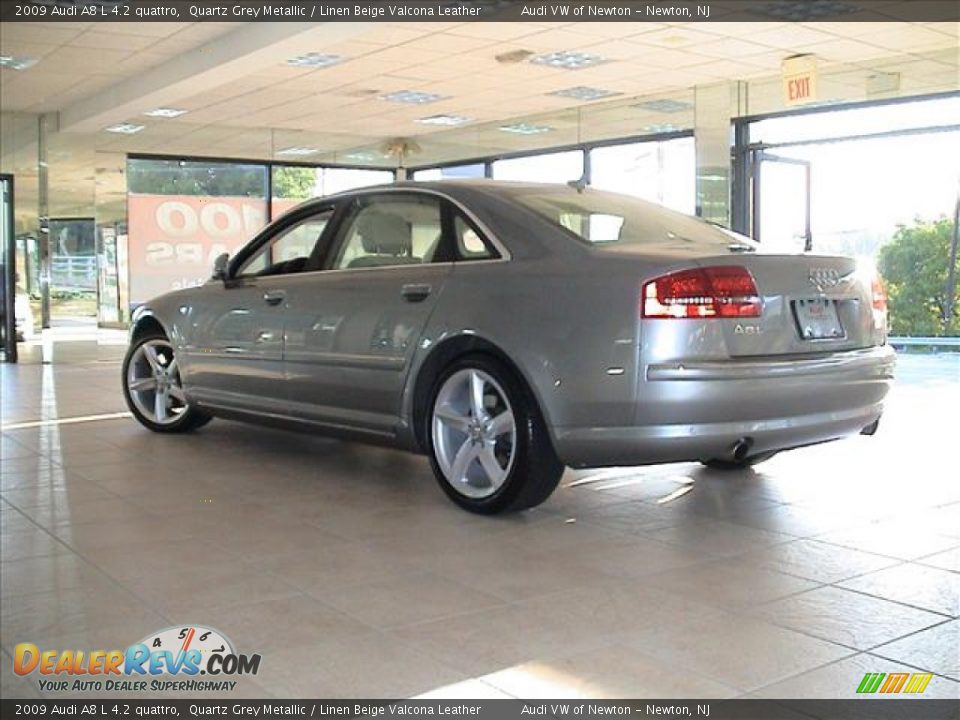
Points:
824	278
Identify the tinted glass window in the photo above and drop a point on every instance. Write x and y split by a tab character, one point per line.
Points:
601	218
288	251
470	246
383	232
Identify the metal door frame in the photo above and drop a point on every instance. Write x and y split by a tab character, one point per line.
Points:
757	157
10	276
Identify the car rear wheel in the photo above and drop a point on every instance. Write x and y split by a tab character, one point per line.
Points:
718	464
488	444
153	389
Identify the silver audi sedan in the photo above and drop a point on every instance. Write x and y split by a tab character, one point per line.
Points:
508	330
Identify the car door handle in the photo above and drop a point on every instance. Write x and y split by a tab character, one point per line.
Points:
415	293
274	297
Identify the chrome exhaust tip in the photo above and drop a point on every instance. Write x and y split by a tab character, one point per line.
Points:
741	449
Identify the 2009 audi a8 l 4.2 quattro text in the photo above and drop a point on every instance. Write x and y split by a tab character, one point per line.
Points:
509	330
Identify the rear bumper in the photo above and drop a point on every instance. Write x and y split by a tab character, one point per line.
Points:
698	410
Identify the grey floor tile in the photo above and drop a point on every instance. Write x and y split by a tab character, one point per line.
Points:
906	541
818	561
841	679
415	598
730	583
947	560
296	547
847	618
924	587
936	649
738	650
613	672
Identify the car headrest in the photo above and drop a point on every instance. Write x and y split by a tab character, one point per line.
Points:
385	234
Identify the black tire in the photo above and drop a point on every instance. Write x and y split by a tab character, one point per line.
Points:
718	464
536	470
188	421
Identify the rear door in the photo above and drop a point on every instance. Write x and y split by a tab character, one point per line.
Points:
353	326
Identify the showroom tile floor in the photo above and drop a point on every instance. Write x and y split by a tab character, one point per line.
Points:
347	569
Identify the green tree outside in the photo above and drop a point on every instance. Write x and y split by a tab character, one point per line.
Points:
914	267
294	182
172	177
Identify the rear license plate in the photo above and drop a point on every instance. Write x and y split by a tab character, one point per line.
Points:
817	319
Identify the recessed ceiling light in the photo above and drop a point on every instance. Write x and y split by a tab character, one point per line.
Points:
803	10
665	105
315	60
412	97
660	128
361	156
125	128
298	151
445	120
582	92
16	63
165	112
525	128
568	60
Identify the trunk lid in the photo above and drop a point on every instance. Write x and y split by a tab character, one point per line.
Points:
811	304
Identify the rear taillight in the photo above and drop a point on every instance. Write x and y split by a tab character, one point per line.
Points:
879	294
722	291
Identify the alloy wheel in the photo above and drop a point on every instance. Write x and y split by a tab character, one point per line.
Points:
153	380
474	433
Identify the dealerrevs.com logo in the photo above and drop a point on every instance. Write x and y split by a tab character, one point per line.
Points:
168	660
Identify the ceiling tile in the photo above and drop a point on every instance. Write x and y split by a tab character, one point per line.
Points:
112	41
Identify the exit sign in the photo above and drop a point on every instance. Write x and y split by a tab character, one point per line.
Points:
799	80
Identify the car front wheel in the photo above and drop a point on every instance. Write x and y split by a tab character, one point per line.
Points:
153	389
488	443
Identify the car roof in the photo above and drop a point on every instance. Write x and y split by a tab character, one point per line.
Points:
459	188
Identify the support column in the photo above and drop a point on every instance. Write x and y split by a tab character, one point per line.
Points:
43	219
715	107
740	184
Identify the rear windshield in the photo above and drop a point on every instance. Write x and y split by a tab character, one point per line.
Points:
601	218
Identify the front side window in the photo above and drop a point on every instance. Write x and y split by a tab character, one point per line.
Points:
383	232
288	251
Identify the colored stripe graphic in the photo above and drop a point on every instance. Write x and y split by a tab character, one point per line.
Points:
894	683
914	683
870	682
918	682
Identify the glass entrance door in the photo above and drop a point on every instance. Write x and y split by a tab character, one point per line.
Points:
781	202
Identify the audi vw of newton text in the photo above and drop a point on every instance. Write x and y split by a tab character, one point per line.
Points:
509	330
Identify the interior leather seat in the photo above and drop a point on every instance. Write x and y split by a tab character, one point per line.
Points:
387	239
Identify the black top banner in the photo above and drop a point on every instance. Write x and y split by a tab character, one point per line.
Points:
480	11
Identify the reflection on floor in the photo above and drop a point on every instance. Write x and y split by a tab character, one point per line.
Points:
346	568
73	341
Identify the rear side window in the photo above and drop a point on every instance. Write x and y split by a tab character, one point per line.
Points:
391	231
600	218
470	244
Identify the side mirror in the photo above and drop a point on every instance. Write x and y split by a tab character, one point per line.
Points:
220	266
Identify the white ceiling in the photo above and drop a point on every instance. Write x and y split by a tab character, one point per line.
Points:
244	100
